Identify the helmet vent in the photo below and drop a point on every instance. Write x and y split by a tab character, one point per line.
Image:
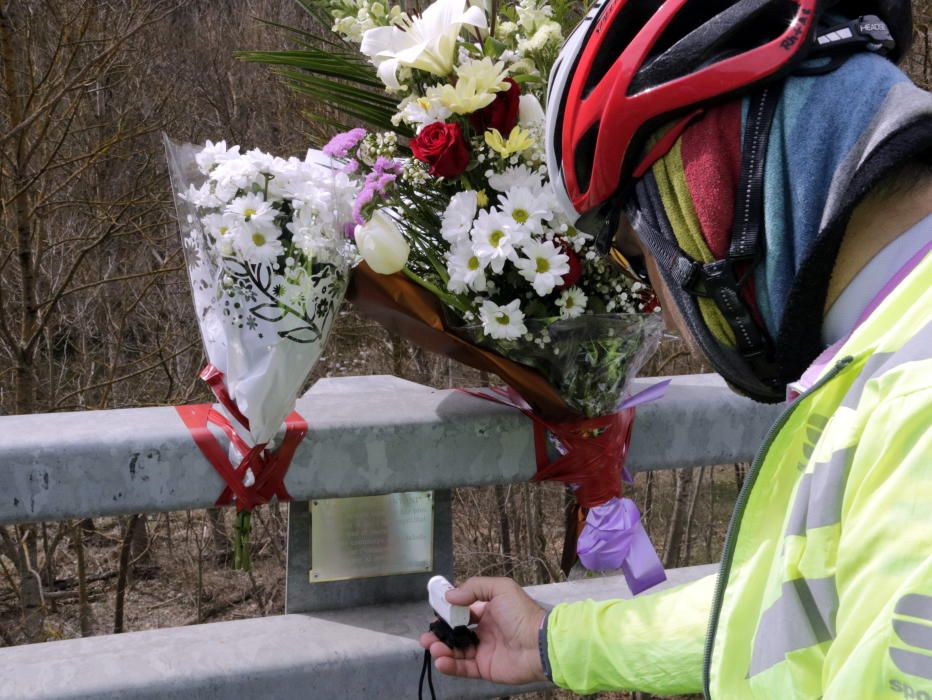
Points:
585	156
706	32
630	19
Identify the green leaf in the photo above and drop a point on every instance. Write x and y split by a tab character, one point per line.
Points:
340	81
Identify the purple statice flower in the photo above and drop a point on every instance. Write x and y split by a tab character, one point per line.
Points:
351	166
341	144
385	165
362	199
376	184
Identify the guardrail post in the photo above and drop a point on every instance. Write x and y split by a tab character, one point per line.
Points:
414	531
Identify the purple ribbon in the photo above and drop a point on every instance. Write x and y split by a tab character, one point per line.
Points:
651	393
614	538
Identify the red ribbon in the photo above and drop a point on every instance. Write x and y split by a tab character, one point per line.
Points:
268	468
595	448
214	379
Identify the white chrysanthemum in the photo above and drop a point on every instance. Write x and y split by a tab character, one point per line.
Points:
515	176
236	174
526	208
572	302
214	153
307	231
459	216
533	14
502	322
257	246
544	266
265	163
316	188
252	212
549	33
494	238
202	197
466	270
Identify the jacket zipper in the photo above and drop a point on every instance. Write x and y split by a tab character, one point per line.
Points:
738	513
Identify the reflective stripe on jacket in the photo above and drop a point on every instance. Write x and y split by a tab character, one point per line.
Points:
825	589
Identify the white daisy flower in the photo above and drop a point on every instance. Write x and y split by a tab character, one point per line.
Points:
459	215
526	208
515	176
252	212
466	270
502	322
220	226
572	302
494	238
544	267
258	246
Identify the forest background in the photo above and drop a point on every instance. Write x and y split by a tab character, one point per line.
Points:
95	313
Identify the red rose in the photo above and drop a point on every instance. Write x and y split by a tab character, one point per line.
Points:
502	114
575	273
443	148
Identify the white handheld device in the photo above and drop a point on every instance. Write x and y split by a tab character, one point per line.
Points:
453	615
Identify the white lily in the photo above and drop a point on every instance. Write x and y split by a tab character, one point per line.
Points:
427	42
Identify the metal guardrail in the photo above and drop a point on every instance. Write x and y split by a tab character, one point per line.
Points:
368	435
357	654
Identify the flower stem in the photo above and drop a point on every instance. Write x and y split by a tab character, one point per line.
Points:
242	528
450	300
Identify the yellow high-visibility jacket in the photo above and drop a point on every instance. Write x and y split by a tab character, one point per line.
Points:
825	587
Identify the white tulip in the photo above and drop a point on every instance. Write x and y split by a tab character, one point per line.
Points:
382	245
530	113
426	42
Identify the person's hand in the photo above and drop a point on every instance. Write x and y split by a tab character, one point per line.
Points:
508	622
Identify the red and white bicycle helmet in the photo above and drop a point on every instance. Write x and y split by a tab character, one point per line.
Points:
633	65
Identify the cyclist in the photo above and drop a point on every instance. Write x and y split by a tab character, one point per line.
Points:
772	169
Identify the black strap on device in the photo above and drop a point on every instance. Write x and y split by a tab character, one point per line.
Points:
456	638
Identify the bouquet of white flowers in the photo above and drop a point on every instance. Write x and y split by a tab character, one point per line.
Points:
268	257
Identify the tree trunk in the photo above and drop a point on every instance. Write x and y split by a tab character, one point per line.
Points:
123	575
30	581
218	534
536	534
140	552
504	527
677	526
84	611
690	514
741	471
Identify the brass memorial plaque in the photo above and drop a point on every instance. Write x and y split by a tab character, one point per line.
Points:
369	536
